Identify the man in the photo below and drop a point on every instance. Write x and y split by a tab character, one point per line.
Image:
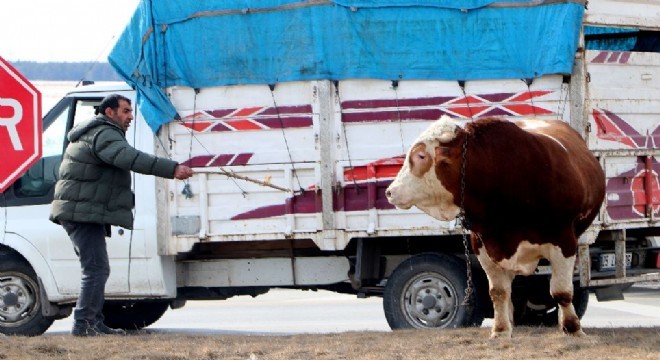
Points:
94	192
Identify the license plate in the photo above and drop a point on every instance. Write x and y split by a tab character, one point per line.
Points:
608	261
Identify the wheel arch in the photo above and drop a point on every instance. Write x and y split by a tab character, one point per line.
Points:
374	259
16	245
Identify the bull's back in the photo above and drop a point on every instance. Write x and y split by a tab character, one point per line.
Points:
587	175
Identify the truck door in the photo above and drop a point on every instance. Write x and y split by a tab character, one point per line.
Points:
27	204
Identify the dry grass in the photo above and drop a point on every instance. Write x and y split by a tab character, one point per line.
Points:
472	344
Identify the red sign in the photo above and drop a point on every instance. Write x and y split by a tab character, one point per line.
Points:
20	124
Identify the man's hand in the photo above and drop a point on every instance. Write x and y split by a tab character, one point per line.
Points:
182	172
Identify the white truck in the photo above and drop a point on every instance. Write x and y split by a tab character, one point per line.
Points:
289	183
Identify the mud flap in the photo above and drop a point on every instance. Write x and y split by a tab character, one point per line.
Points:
609	293
49	309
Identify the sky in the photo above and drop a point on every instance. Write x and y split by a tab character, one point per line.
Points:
61	30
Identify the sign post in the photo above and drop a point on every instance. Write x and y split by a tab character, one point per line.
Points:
20	125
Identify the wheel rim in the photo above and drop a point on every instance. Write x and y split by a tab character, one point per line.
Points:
429	300
18	299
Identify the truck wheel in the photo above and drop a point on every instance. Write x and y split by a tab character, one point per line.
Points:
20	304
133	315
544	311
426	291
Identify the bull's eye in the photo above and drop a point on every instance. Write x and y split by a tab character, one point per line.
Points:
421	156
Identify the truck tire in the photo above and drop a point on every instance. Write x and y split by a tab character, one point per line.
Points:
427	291
544	311
20	303
133	315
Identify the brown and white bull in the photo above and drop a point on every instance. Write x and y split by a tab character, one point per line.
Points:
530	189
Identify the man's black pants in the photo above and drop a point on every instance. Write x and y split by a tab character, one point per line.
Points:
89	242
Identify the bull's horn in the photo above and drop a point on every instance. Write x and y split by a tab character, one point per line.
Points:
445	129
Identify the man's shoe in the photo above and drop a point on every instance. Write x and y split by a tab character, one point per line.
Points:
104	329
84	328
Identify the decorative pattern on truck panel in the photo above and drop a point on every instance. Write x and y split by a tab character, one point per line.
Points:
219	160
431	108
427	108
307	202
634	193
613	128
252	118
620	57
364	189
379	169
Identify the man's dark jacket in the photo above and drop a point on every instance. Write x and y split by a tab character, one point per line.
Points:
94	183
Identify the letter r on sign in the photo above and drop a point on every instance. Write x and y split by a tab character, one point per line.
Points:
11	122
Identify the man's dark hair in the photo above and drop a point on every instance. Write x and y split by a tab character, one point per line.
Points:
112	102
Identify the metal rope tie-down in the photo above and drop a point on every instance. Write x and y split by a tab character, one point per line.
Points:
271	87
343	127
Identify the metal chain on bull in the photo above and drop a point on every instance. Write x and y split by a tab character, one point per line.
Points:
465	226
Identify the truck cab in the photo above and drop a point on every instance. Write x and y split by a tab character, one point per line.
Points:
40	270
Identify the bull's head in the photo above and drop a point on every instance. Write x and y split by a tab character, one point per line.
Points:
417	183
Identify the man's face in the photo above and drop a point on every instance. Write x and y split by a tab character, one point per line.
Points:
123	116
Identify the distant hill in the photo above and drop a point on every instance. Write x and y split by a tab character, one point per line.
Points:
66	71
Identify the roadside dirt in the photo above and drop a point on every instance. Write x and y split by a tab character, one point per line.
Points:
473	343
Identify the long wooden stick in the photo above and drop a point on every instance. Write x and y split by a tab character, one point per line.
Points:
240	177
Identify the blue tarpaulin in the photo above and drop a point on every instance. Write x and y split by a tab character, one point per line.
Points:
227	42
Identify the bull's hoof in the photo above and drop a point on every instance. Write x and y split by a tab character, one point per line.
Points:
578	333
503	334
571	326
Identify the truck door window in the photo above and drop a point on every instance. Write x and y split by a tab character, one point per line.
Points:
85	110
37	184
41	177
52	141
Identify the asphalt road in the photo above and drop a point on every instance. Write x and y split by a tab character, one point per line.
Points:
281	312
